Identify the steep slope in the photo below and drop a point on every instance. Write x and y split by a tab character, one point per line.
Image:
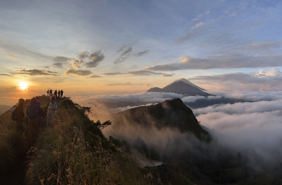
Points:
169	114
181	87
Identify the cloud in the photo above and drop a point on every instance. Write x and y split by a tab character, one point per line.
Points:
168	75
94	76
143	73
263	80
77	72
11	89
83	55
220	62
87	60
137	73
61	59
142	97
5	75
253	96
76	64
251	128
12	56
197	26
263	45
94	59
23	51
58	65
125	84
126	54
196	18
127	51
35	72
193	33
115	73
121	48
139	54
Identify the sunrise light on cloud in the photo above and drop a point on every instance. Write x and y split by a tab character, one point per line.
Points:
126	48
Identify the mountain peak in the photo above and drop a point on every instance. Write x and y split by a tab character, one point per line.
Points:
187	82
181	86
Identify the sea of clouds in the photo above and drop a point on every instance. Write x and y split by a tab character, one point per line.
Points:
252	127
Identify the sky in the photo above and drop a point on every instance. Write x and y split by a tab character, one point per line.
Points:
126	47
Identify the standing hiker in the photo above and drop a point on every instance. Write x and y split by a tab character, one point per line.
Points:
51	92
39	116
62	92
48	92
51	111
55	93
18	115
59	94
33	111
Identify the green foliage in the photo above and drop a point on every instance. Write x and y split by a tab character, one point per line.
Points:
66	103
117	142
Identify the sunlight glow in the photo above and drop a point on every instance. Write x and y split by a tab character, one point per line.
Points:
23	85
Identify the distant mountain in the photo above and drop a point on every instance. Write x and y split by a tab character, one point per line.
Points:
4	108
181	86
169	114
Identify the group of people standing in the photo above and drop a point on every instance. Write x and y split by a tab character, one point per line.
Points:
58	93
36	116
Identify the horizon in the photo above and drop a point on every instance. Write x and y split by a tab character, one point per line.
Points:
127	47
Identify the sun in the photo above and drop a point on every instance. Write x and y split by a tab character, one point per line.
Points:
23	85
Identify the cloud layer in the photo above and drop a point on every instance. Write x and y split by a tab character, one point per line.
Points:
220	62
253	129
263	80
35	72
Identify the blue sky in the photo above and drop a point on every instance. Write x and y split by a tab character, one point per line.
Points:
139	44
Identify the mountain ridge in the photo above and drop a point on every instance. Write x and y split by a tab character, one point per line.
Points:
168	114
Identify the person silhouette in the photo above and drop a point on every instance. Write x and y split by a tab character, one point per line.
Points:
51	92
62	92
51	114
48	92
55	93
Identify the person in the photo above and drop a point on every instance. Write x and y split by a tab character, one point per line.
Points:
18	115
51	92
59	94
48	92
51	111
39	116
62	92
55	93
33	111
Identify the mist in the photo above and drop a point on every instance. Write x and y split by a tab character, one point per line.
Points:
251	128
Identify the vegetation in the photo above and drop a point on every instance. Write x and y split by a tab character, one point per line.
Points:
74	151
13	145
